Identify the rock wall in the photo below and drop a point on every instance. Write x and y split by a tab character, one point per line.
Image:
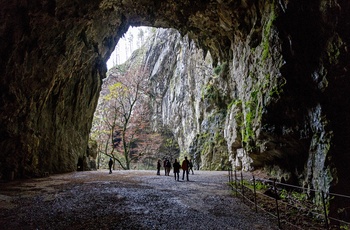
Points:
51	73
266	99
179	73
279	87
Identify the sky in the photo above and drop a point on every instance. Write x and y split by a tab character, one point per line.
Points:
123	50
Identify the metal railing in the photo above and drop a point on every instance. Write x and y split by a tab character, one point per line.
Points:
292	206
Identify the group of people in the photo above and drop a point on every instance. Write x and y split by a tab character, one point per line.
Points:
186	166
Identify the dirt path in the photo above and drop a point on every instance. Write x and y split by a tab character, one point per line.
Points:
125	200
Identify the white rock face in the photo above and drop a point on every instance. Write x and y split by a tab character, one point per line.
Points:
222	116
207	109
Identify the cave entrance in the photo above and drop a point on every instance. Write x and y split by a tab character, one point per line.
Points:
127	125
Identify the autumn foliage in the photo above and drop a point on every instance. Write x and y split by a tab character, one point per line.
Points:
122	127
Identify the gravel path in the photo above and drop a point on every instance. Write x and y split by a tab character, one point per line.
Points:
126	200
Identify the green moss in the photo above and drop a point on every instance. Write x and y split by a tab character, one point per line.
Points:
234	103
278	89
266	34
248	132
259	186
209	92
217	70
207	154
220	69
213	95
224	66
251	108
212	146
219	139
266	82
203	136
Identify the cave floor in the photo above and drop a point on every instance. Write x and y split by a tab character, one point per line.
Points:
126	200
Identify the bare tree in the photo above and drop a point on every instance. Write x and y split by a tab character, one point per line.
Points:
124	131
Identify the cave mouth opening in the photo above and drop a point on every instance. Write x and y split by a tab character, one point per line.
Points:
123	109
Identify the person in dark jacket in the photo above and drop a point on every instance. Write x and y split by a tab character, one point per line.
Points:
164	165
167	168
185	167
176	166
158	167
190	166
110	163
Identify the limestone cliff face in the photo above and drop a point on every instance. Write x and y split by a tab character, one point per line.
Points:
279	89
180	73
247	103
215	111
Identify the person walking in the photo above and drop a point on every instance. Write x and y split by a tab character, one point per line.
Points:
158	166
190	166
110	163
167	167
176	166
184	166
164	165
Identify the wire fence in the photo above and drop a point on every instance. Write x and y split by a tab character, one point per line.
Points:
293	207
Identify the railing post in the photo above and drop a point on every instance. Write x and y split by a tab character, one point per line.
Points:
276	198
242	186
325	210
229	175
236	183
256	206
